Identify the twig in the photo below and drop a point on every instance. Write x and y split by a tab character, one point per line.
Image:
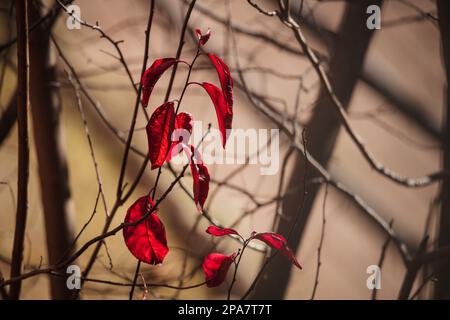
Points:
76	88
430	277
412	270
180	48
261	10
136	273
381	260
236	267
319	248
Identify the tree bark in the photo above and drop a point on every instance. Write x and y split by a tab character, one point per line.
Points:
51	155
442	288
22	123
349	51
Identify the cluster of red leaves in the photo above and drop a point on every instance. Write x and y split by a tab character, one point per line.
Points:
144	233
216	265
146	240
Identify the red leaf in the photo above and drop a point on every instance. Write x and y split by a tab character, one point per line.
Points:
223	111
201	179
146	240
218	232
152	75
199	171
279	243
183	122
203	38
159	131
215	267
226	81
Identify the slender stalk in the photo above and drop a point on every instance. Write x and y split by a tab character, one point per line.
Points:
236	266
136	273
180	48
319	248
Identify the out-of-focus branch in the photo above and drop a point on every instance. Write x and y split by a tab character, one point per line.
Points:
412	270
51	154
384	248
442	288
8	118
22	123
323	36
45	21
319	248
3	292
345	67
9	115
340	108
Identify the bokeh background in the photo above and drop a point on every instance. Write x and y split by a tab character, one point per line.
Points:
397	106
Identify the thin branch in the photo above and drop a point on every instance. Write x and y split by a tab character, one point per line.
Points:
76	88
381	259
319	248
412	270
136	273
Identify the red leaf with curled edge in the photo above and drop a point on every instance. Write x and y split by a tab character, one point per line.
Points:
215	266
199	171
200	176
181	134
203	38
159	131
223	111
278	242
147	240
152	75
218	232
183	120
226	81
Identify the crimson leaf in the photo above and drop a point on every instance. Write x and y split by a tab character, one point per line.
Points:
278	242
223	111
201	179
226	81
203	38
215	266
159	130
218	232
152	75
180	135
146	240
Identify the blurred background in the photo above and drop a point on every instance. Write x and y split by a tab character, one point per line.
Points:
391	81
